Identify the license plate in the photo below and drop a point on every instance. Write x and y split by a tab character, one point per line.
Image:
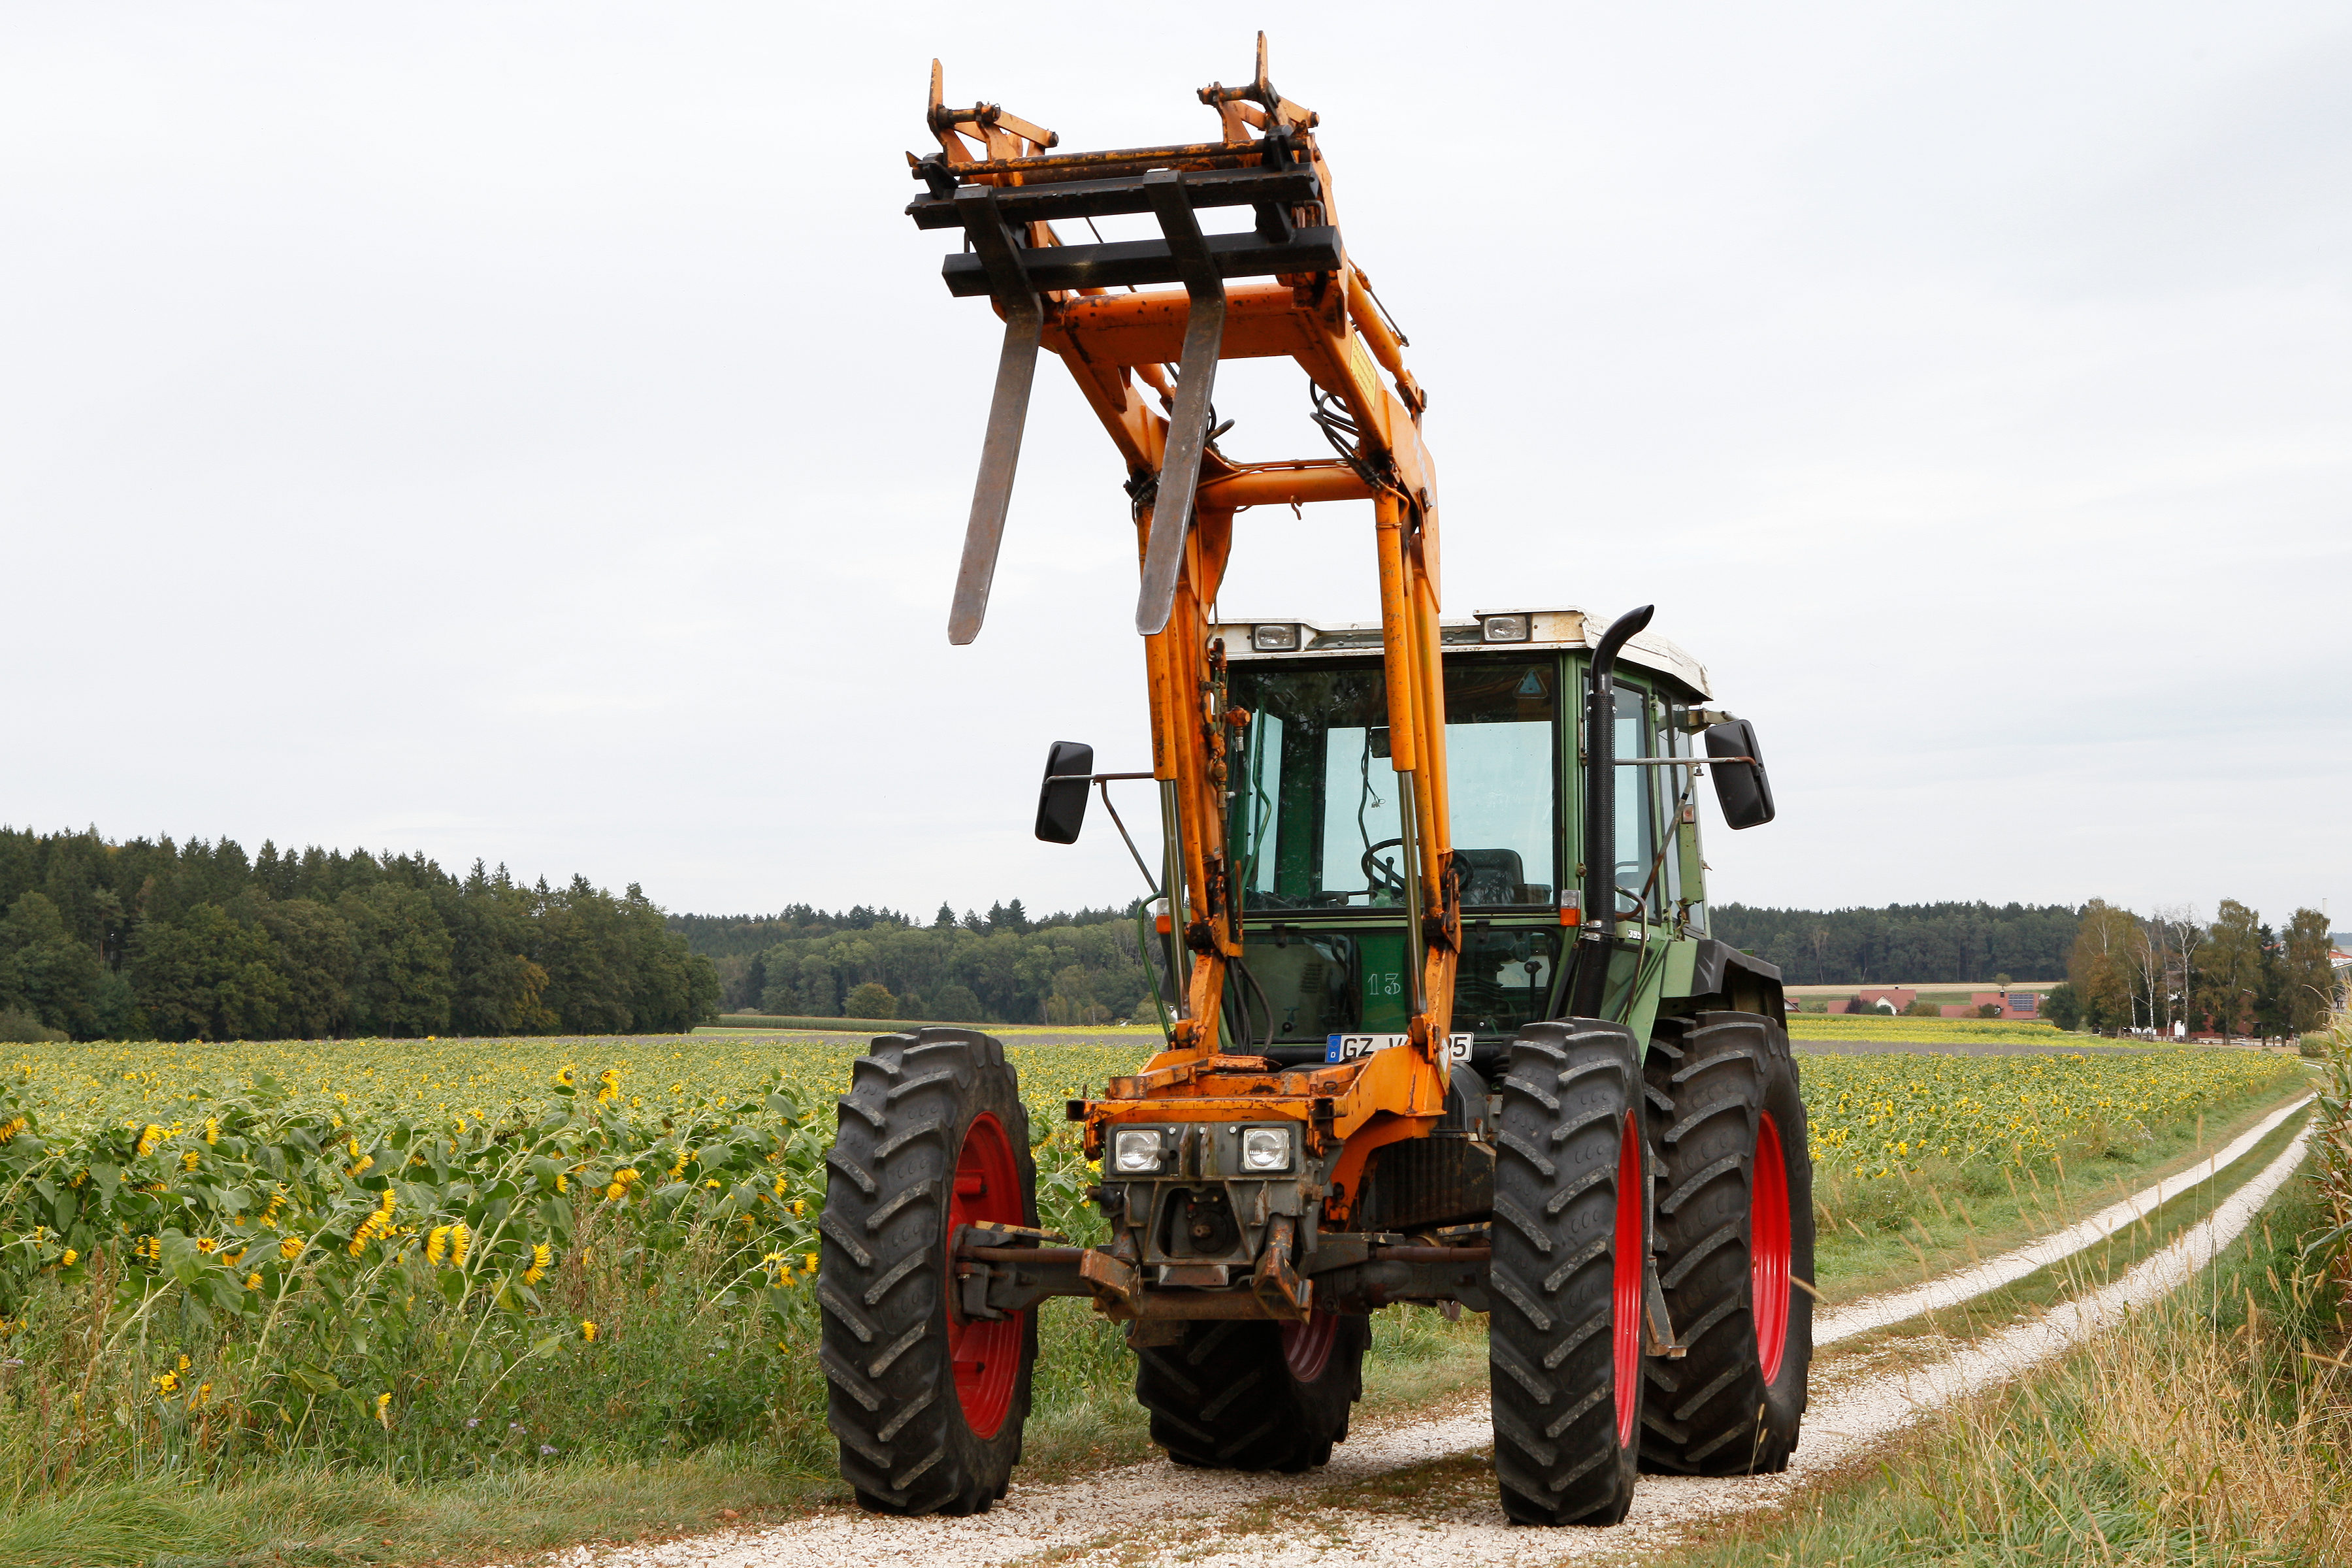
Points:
1347	1048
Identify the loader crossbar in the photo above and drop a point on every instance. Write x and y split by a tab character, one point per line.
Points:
1134	262
1346	1272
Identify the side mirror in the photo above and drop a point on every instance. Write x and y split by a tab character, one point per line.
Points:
1740	788
1062	799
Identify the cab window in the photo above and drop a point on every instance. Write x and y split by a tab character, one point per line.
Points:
1315	818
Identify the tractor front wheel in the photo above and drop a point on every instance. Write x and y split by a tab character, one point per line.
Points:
1571	1244
926	1401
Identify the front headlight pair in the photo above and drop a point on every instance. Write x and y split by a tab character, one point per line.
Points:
1146	1151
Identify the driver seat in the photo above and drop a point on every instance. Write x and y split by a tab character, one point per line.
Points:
1493	876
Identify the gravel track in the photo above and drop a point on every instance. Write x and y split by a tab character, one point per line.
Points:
1414	1491
1951	1289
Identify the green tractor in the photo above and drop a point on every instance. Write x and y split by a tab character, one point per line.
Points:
1648	1294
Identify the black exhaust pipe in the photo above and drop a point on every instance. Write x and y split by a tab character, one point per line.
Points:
1597	938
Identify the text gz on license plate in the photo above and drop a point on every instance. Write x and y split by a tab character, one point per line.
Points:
1347	1048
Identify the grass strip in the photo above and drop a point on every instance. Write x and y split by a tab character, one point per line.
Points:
333	1516
1085	1420
1933	1334
2211	1428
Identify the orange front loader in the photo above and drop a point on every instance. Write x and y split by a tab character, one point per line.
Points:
1321	1136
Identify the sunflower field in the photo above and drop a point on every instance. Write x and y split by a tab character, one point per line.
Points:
436	1255
1880	1115
447	1257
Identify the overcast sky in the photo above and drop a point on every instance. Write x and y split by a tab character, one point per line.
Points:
534	433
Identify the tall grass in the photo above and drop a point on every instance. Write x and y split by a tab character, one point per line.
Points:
2330	1250
2214	1428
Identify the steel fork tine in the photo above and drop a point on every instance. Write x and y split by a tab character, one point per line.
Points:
1008	408
1187	423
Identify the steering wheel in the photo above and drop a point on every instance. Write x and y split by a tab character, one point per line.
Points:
1378	875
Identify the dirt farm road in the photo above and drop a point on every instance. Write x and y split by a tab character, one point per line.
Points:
1412	1491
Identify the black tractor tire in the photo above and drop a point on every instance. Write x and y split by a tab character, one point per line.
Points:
1228	1395
1571	1231
1723	1101
918	1105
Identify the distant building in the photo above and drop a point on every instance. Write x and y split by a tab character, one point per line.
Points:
2026	1005
1883	999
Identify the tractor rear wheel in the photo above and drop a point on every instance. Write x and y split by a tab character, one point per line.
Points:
1734	1229
1571	1244
927	1404
1244	1394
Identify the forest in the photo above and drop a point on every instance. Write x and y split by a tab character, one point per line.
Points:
1086	967
1003	967
149	940
1904	941
2234	974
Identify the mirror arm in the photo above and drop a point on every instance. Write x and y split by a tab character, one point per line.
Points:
1676	761
1102	783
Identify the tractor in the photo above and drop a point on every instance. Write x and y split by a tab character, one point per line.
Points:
1443	1022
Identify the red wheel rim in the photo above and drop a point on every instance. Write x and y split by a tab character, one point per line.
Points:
1767	1249
1307	1347
986	1357
1632	1214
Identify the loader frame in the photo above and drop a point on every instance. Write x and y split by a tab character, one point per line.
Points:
1286	288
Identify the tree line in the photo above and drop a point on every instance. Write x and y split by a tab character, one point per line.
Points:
1904	941
150	939
1086	967
2233	976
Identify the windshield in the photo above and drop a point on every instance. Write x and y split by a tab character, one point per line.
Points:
1314	801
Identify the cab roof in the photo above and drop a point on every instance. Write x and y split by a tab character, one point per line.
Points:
1275	637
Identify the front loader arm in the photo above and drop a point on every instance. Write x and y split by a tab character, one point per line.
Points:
1142	325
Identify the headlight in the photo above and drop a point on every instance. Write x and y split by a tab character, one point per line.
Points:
1135	1150
1275	639
1265	1148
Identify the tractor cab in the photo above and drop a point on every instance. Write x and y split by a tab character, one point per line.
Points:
1314	826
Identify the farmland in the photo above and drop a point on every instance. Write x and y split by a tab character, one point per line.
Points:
1927	1031
1880	1114
451	1259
